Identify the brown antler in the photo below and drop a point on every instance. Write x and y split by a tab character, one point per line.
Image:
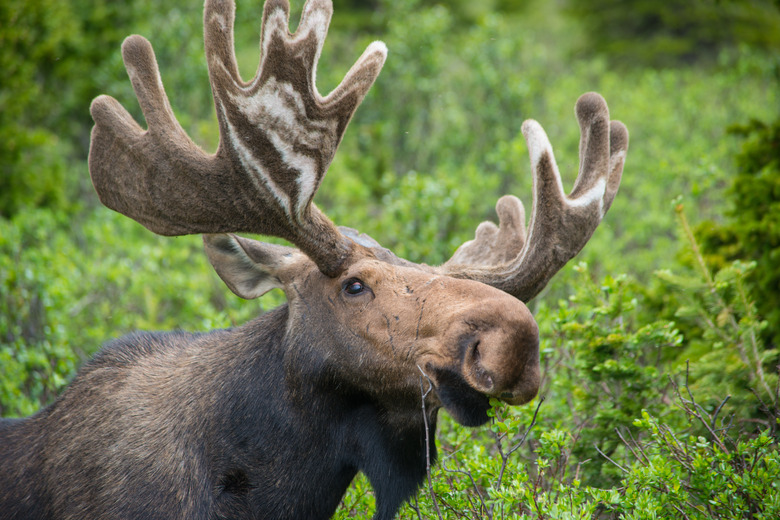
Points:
560	225
277	137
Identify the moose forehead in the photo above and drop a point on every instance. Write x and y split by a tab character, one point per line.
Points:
381	270
378	286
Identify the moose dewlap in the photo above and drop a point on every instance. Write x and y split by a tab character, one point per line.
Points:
273	419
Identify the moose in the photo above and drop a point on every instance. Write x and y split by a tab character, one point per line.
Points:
273	419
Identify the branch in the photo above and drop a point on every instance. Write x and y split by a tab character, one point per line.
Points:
717	412
695	412
637	457
624	470
424	394
474	485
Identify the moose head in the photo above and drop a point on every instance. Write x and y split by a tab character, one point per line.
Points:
381	319
341	363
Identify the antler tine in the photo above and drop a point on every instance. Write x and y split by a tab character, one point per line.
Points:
278	136
560	225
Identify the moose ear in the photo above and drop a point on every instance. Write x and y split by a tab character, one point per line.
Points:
248	267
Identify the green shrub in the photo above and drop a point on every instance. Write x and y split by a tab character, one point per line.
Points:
65	293
612	358
56	57
677	31
679	475
752	231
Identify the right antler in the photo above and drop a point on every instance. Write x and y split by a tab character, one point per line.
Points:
560	225
277	138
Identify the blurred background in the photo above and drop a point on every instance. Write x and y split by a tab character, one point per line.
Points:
682	276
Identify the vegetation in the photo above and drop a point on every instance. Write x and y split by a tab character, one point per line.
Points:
659	343
752	231
676	31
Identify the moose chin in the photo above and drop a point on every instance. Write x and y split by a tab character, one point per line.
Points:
273	419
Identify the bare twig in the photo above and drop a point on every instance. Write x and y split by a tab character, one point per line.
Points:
528	430
639	446
505	458
415	507
695	411
717	411
680	511
424	394
621	468
637	457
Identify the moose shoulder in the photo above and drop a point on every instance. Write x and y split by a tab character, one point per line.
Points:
273	419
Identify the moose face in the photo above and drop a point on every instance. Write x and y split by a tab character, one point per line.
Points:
384	326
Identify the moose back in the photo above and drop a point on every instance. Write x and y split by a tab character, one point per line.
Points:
273	419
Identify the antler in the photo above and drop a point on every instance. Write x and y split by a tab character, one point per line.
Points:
278	136
503	256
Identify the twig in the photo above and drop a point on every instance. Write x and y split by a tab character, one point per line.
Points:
424	394
680	511
505	458
717	411
637	457
527	431
624	470
695	412
639	446
415	507
473	484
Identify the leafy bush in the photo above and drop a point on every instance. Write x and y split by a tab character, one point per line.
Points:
613	358
678	31
58	56
62	295
718	476
752	232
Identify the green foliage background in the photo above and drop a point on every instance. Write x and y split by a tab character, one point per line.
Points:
659	341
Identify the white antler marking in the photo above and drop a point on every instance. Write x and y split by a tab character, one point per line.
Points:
252	165
596	193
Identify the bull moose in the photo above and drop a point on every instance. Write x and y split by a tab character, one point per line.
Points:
273	419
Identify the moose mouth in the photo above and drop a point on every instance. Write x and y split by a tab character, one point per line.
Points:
466	405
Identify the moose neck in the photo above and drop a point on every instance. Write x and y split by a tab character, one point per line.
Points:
233	430
347	428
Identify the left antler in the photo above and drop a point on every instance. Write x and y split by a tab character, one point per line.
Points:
278	136
504	256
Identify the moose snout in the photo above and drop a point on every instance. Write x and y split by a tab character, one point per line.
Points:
500	351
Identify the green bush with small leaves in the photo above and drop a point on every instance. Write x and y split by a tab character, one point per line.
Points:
752	231
676	32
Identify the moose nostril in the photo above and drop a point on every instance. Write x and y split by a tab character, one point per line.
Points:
475	350
482	374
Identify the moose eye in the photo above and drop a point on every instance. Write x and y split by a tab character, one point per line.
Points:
354	286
